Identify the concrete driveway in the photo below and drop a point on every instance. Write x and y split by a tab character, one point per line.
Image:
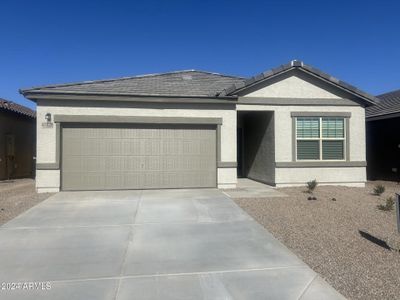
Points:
164	244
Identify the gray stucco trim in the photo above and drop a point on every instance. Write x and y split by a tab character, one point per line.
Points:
56	164
135	119
320	164
227	164
218	143
320	114
297	101
347	139
294	142
47	166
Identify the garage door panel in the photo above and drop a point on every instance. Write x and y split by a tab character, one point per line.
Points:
93	164
101	157
73	163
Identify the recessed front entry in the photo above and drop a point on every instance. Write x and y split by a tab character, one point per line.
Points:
121	156
256	145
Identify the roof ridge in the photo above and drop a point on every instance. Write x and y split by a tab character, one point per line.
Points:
125	78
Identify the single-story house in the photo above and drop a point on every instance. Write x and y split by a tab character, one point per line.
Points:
383	138
17	140
198	129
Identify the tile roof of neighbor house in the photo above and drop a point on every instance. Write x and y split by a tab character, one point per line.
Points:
189	83
389	104
14	107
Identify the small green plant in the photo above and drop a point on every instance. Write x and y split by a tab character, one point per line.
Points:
389	205
379	189
311	185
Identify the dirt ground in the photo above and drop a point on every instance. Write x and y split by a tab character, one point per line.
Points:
17	196
349	241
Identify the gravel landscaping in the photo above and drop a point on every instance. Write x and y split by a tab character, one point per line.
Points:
17	196
347	240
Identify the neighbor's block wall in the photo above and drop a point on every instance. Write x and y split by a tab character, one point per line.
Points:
46	139
24	131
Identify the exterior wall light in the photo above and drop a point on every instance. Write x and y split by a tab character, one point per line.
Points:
48	117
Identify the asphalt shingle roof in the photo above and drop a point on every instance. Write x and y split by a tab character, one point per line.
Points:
14	107
389	103
189	83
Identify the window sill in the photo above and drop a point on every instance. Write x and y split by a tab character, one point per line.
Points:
320	164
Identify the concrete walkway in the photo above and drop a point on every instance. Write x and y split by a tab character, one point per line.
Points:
170	244
247	188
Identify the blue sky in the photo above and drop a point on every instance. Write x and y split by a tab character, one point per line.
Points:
44	42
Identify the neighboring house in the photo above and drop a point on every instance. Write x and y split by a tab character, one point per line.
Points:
199	129
17	140
383	138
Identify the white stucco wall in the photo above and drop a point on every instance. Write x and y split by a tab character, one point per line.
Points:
49	180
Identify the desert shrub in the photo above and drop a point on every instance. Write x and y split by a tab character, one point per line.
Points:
389	205
379	189
311	185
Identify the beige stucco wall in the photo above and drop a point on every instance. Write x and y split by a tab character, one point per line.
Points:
296	86
46	137
292	87
284	146
348	176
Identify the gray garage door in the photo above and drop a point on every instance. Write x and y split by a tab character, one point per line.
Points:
106	157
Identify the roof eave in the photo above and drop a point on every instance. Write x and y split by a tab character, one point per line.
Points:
35	95
376	117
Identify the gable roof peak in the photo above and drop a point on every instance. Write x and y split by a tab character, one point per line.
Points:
236	88
296	63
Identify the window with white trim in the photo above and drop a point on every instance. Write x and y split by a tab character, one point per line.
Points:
320	138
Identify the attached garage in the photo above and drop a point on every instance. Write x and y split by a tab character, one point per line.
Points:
138	156
179	130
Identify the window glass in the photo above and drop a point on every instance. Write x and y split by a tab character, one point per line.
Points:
320	138
307	149
332	150
307	127
332	127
